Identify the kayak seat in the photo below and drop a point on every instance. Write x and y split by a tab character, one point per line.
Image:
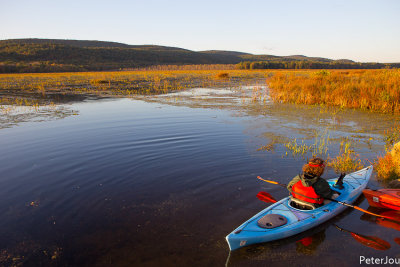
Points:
270	221
301	204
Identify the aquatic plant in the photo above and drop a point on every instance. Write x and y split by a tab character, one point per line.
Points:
318	148
298	149
347	160
268	147
321	142
391	136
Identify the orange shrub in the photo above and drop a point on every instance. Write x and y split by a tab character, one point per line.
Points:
222	75
388	166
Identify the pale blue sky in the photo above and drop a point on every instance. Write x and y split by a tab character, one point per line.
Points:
362	30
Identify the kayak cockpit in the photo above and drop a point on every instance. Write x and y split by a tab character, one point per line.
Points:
300	204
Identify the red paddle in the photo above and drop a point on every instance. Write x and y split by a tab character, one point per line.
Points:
266	197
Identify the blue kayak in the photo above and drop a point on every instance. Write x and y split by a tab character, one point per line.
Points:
284	218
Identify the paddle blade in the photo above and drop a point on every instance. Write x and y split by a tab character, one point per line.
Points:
371	241
266	197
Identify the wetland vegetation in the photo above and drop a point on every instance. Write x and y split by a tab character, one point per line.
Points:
125	83
152	150
376	90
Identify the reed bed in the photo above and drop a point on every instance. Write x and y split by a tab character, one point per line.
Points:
126	82
347	160
375	90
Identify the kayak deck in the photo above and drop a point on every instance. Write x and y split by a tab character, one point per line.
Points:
298	220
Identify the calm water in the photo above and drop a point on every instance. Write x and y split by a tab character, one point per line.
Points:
160	181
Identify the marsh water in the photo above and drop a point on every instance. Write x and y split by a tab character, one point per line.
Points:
161	180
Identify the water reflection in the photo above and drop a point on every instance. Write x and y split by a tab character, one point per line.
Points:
286	251
393	224
21	107
368	241
277	122
308	245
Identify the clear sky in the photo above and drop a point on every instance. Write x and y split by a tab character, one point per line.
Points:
361	30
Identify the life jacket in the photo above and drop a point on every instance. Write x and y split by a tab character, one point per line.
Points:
306	193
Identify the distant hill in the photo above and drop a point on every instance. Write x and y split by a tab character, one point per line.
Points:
226	53
304	58
50	55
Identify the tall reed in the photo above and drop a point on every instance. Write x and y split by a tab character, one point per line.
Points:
376	90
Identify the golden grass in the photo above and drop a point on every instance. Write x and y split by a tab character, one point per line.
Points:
126	82
376	90
317	149
347	160
222	75
388	167
392	136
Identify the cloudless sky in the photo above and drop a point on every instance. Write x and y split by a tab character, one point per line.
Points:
361	30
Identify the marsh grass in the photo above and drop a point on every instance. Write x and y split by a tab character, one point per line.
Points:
321	143
222	75
385	168
319	148
268	147
391	136
388	166
13	105
347	160
298	148
375	90
126	83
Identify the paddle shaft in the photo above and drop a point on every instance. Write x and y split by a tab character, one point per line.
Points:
271	182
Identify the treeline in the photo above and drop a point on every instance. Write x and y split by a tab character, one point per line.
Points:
247	65
186	67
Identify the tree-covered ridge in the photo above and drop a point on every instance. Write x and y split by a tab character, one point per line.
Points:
53	55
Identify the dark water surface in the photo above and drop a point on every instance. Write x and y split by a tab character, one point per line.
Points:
161	181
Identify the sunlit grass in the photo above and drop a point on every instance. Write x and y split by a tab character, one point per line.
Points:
376	90
319	148
388	166
127	82
392	136
347	160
